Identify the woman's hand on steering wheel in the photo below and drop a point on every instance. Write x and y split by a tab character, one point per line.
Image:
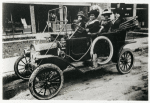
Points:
79	26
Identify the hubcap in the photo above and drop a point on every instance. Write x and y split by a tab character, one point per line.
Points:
125	61
48	83
28	66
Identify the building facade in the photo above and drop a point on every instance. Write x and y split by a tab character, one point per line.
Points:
34	16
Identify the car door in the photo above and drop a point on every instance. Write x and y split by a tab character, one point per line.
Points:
77	47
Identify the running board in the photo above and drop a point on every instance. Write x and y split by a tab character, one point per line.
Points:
90	68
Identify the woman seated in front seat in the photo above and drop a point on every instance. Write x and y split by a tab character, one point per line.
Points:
92	26
80	22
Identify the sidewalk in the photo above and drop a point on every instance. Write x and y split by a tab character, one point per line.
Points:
37	35
7	69
8	63
140	44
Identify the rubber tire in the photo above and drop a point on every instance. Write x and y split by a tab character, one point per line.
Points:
117	66
36	72
16	67
111	48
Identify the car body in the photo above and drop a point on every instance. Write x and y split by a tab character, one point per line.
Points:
48	61
77	53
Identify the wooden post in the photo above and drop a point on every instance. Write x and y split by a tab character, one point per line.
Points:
32	15
85	10
118	5
107	5
61	15
134	10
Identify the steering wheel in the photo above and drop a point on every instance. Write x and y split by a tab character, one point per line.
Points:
76	30
78	26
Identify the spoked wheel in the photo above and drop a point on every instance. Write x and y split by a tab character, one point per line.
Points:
46	81
125	61
23	68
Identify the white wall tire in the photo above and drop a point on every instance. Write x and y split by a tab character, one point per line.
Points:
110	47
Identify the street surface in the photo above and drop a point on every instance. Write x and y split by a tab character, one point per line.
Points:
103	84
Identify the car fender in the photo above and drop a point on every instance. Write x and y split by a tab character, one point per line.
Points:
26	52
60	62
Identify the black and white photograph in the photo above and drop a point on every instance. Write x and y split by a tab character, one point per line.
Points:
75	50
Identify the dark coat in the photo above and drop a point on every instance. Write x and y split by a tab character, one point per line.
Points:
116	24
93	26
80	23
80	32
106	24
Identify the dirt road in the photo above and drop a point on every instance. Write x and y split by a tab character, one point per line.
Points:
103	84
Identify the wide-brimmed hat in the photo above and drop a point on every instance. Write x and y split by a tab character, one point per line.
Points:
80	13
95	12
106	12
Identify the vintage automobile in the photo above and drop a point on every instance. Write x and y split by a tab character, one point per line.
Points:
22	67
97	50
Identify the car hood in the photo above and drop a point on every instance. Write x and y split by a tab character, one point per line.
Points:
44	46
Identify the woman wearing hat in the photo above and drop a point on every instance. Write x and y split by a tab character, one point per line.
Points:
106	23
92	25
81	19
81	23
118	15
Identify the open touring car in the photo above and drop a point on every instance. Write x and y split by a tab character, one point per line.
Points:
48	61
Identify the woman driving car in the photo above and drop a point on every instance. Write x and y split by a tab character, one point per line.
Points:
80	22
91	26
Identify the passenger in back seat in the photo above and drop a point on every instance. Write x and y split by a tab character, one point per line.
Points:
106	23
118	15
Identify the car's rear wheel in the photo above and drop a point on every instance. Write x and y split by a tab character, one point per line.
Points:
125	61
46	81
23	68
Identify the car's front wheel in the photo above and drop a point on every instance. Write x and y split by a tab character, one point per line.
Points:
22	67
46	81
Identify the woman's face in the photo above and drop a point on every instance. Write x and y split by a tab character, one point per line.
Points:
106	17
116	15
92	17
79	18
